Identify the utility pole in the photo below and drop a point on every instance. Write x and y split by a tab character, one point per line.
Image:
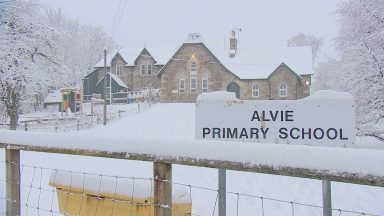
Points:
105	89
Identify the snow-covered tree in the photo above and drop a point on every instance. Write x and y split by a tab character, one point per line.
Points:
25	43
361	66
40	48
326	75
79	47
301	40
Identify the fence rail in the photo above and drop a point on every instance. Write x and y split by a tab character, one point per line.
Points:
354	178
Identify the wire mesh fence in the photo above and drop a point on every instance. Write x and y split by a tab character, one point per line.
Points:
51	191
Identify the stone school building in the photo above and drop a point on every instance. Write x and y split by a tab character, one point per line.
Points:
182	74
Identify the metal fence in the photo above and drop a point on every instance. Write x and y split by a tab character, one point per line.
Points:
147	95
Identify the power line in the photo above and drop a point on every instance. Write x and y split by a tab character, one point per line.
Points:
115	18
120	18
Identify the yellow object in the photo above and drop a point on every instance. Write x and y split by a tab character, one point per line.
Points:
76	201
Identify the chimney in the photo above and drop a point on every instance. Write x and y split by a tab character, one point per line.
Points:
233	44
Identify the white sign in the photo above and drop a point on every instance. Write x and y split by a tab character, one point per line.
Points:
324	119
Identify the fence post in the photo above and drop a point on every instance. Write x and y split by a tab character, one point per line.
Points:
222	192
56	125
92	107
327	198
26	126
12	156
162	173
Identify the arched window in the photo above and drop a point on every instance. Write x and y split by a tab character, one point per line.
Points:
192	71
181	83
283	89
204	82
255	90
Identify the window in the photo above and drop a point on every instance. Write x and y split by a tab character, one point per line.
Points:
204	82
192	72
283	89
143	69
119	70
149	69
255	90
182	84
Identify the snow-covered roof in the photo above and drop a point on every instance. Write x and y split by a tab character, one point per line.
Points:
54	96
253	62
118	80
250	62
160	54
257	62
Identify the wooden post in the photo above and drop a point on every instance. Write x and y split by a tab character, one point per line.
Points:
78	124
162	173
26	126
327	198
222	192
12	176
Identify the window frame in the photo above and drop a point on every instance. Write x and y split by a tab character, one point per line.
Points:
143	69
204	77
283	92
181	80
193	77
255	90
149	71
119	70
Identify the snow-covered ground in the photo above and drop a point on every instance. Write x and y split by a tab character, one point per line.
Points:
177	121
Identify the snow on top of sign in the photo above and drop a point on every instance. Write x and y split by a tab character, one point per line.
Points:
330	94
217	95
108	186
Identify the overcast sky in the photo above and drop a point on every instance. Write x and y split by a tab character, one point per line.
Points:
167	22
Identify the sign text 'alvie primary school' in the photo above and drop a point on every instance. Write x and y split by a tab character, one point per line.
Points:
326	119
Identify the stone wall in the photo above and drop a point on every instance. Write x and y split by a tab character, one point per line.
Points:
206	63
219	78
131	74
144	81
284	74
246	89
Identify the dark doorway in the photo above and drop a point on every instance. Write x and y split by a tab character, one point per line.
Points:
234	87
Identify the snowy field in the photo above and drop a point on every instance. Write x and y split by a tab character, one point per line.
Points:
178	121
